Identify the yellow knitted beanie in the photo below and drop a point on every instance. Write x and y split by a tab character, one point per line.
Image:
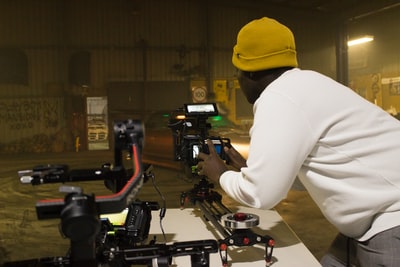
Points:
264	44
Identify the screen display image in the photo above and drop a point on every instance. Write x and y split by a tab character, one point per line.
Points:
208	109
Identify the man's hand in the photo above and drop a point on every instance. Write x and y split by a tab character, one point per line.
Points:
211	165
235	159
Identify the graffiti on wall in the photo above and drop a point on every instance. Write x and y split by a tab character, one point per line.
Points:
25	113
30	124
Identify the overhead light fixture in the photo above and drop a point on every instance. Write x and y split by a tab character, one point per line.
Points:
361	40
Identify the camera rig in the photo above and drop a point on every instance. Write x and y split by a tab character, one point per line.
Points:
95	241
190	130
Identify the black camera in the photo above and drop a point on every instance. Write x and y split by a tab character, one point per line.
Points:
190	130
197	145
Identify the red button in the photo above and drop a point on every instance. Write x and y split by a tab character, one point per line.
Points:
271	243
223	247
240	216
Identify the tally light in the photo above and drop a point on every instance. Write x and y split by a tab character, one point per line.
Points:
361	40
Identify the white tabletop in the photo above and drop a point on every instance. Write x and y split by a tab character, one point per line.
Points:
189	225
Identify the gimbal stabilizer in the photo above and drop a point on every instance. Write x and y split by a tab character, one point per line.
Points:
80	213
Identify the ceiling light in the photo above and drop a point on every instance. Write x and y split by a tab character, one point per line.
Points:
361	40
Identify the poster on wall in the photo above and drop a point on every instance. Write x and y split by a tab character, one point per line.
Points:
97	123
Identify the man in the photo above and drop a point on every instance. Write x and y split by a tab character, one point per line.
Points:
344	149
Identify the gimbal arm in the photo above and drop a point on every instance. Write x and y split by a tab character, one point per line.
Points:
128	136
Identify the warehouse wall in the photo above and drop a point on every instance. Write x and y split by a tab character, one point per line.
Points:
374	68
131	40
72	49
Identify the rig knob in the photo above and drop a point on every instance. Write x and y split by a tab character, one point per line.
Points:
240	220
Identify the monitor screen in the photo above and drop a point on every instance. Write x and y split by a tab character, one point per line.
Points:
206	109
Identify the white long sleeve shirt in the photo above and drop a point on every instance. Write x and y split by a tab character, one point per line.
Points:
345	150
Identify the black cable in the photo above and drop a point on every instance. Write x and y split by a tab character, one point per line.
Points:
163	208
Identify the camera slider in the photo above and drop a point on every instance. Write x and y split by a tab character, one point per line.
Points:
162	254
234	227
159	255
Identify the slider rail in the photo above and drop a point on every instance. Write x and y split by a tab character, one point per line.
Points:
209	203
199	250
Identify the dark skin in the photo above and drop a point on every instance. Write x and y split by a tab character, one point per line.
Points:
252	85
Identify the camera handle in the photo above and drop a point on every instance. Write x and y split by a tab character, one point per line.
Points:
80	223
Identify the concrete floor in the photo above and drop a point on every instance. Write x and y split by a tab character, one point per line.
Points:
23	237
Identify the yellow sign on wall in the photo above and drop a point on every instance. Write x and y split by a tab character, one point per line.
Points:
220	91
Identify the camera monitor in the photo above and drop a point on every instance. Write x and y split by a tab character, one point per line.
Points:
201	109
197	148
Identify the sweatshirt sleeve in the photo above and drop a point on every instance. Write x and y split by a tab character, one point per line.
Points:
281	139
